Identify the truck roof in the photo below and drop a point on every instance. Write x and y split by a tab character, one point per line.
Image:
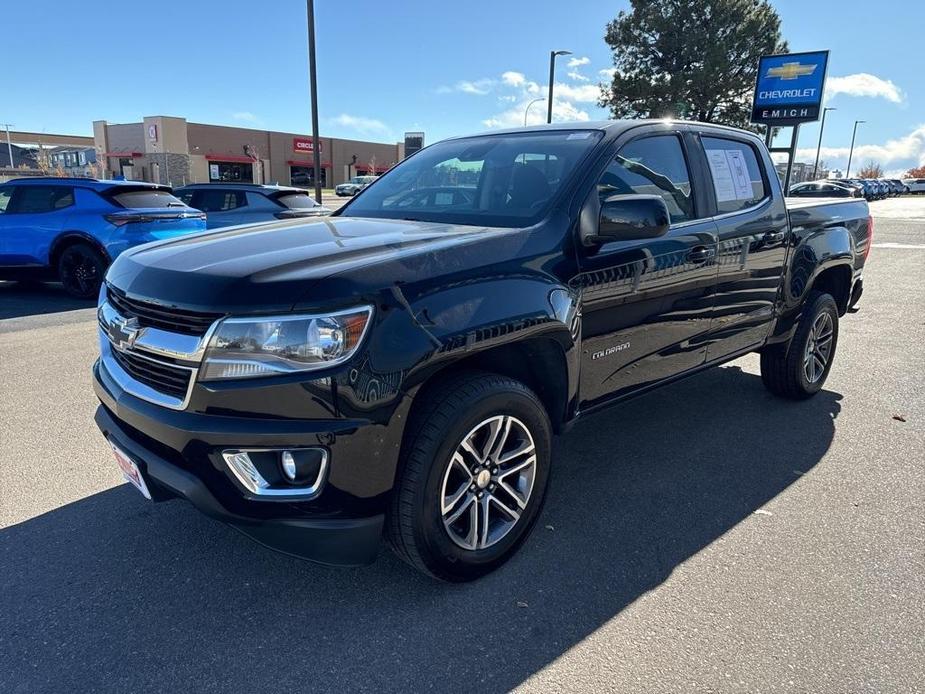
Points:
610	126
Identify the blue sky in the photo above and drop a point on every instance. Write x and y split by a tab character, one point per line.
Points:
386	67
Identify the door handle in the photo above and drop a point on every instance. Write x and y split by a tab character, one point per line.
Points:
700	254
773	236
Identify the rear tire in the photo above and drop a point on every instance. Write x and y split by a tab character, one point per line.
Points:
81	269
473	476
798	369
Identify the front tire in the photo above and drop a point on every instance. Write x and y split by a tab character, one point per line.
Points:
81	269
473	476
798	369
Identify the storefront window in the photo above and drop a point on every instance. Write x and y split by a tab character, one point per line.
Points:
231	171
305	176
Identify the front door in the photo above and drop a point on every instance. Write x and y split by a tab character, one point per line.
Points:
753	234
646	304
34	216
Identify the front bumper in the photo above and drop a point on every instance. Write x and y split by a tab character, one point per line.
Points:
179	455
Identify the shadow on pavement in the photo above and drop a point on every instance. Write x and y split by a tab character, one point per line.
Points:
113	594
19	299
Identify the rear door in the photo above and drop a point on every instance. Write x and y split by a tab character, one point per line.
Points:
34	216
752	225
646	304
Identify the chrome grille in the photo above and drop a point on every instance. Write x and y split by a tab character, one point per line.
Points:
161	317
161	376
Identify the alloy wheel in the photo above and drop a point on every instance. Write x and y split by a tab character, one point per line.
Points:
79	271
818	347
488	482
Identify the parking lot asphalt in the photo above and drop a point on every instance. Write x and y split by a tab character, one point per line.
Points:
705	537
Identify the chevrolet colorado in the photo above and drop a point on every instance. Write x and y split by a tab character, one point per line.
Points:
400	367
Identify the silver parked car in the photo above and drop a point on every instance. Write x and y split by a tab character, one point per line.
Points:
354	185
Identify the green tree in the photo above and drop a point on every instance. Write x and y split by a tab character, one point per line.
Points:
695	59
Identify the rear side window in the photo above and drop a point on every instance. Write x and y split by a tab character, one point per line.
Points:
218	200
35	199
146	198
296	201
737	179
652	166
5	195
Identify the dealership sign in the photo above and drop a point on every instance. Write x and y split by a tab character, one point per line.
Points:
305	144
789	88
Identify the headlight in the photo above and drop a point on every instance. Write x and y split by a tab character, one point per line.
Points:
250	347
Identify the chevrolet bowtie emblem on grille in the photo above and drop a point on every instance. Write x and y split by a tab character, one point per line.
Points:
123	332
790	71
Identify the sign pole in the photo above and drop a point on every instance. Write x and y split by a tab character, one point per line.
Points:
790	157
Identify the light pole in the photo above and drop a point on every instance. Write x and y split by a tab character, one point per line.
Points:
819	145
552	78
9	147
851	151
527	110
316	143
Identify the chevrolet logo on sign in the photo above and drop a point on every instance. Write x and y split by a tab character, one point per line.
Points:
791	71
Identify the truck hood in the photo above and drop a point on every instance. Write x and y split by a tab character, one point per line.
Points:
269	267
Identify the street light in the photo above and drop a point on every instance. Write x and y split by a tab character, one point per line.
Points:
552	78
819	145
316	144
527	110
851	151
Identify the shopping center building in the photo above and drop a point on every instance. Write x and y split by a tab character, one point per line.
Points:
167	149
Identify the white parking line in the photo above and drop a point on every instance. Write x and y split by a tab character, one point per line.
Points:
918	246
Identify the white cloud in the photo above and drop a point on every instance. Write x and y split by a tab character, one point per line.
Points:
577	76
362	125
480	87
514	116
582	93
607	73
578	62
247	117
898	153
864	84
513	79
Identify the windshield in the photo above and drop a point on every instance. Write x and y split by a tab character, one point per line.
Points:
296	200
493	180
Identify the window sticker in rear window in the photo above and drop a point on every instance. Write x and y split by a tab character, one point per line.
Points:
730	174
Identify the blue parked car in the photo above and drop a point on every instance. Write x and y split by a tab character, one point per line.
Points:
71	229
227	204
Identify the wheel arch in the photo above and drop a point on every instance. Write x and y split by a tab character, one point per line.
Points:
835	280
540	363
69	238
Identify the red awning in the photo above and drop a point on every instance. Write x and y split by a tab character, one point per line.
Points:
124	155
308	164
237	159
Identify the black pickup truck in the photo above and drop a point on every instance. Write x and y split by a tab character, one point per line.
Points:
400	367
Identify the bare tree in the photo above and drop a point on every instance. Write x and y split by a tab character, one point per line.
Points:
871	170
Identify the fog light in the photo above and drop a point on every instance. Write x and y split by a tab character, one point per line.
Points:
302	465
294	473
289	466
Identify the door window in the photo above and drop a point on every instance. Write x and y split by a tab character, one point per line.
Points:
5	196
652	166
737	179
36	199
219	200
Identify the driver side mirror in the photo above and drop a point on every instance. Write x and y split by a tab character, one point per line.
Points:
631	217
